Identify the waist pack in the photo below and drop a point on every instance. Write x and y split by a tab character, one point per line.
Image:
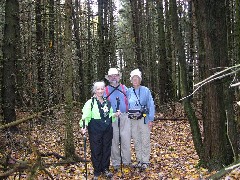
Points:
135	114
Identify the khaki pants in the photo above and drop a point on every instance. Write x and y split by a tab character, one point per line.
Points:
141	139
125	133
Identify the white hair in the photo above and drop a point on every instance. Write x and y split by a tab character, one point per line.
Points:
96	85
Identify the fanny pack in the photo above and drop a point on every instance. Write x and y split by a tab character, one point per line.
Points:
135	114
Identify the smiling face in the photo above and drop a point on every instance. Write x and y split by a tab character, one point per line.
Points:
136	81
99	91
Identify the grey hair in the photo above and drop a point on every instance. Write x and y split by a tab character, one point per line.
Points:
96	85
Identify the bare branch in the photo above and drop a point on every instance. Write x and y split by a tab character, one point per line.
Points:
216	76
236	84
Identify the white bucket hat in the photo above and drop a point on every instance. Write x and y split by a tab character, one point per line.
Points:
113	71
136	72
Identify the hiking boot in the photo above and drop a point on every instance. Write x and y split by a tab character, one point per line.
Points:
127	165
95	178
116	168
138	165
108	174
145	166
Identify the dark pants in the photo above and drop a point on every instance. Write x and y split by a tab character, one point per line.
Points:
100	138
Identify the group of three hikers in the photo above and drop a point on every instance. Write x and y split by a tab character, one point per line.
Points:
113	116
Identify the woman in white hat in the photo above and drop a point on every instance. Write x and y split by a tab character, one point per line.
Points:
98	117
141	113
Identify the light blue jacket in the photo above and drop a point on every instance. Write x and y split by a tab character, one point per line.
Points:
145	97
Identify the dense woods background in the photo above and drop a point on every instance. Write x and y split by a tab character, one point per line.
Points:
188	50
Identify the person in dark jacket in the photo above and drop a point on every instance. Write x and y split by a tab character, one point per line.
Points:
98	116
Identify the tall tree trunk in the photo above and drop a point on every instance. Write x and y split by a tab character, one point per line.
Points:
52	99
90	68
69	138
211	16
103	29
197	140
163	61
137	26
10	45
39	57
171	61
151	64
232	133
76	22
237	31
191	48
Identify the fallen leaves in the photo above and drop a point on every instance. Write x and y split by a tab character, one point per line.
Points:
172	157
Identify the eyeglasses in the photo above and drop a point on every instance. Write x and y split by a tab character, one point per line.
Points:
114	75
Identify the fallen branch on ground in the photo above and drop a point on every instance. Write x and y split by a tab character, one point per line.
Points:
225	170
17	122
170	119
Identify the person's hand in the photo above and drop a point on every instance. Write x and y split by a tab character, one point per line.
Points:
117	114
238	103
161	114
84	130
150	124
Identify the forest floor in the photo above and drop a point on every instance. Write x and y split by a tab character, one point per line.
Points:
172	157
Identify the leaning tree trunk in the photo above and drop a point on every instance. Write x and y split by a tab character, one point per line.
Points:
197	140
211	16
11	41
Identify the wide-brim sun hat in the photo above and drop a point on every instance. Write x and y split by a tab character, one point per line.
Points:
113	71
136	72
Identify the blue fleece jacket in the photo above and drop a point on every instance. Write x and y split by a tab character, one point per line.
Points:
145	97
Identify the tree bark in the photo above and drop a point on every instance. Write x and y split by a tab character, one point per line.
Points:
39	57
163	65
211	18
103	36
136	9
90	66
10	45
76	21
68	72
52	92
193	121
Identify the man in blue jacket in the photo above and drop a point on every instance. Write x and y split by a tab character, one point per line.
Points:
113	91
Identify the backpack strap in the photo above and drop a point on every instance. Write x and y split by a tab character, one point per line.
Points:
125	97
92	103
107	91
123	91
